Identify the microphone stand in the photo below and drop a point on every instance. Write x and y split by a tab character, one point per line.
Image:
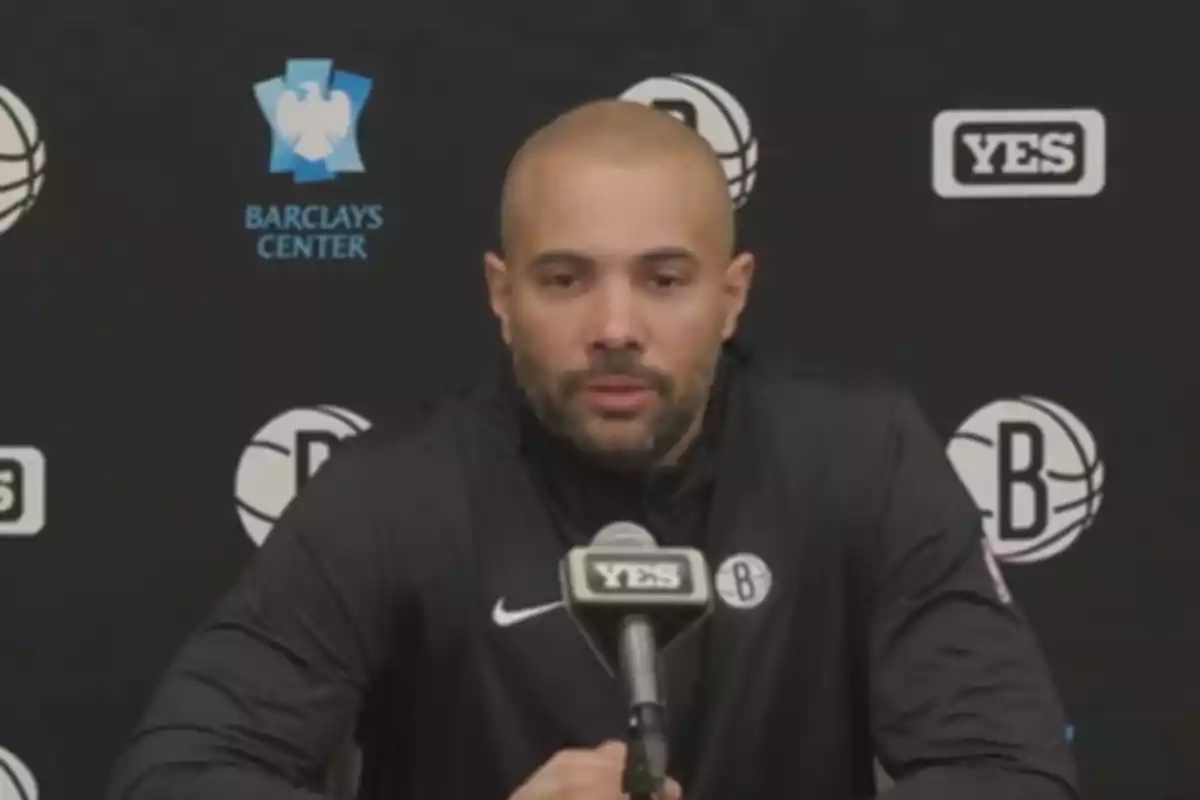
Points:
646	763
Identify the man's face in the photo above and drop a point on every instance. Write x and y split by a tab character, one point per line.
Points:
614	299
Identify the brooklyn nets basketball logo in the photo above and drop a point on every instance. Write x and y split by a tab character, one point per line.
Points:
993	568
22	159
282	457
1033	469
716	115
16	781
743	580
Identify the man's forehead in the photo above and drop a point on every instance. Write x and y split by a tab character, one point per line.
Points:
571	200
567	169
622	151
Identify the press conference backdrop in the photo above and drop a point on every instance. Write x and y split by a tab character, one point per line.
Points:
234	234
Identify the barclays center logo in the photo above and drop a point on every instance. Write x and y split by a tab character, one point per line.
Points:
313	112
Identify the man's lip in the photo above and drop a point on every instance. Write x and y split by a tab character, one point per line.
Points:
616	384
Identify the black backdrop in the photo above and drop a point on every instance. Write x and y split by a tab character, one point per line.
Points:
145	341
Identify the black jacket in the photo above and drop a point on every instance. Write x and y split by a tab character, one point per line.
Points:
371	609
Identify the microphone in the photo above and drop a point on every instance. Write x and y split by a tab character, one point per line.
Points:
630	598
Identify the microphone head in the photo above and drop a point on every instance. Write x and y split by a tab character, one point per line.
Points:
623	573
623	534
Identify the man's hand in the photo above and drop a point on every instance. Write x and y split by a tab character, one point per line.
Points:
585	775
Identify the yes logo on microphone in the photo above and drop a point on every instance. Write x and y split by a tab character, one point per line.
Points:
622	574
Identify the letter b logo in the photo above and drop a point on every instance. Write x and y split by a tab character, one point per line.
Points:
1034	471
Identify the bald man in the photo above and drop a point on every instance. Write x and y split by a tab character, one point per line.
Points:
408	600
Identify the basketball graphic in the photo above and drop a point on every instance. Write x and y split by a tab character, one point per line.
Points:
16	780
282	456
716	115
22	159
1033	469
743	581
993	567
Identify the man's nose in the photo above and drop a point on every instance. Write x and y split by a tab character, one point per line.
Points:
616	322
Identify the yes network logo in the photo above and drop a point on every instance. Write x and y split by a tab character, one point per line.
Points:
1037	153
619	574
22	493
313	111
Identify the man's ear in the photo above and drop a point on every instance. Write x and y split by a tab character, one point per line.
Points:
739	276
499	288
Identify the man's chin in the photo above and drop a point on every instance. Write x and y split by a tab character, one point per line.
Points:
623	442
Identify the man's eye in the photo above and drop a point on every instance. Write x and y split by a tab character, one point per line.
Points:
562	280
665	281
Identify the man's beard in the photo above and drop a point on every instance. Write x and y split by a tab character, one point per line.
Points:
551	400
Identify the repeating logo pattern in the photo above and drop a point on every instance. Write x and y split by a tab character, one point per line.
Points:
996	573
313	111
1033	469
22	491
22	159
281	458
715	114
16	779
1030	153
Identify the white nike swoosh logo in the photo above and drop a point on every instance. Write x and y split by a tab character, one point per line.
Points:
505	618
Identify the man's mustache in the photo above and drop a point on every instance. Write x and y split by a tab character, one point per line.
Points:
616	363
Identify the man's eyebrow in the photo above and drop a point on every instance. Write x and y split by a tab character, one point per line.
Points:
560	258
661	254
573	259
